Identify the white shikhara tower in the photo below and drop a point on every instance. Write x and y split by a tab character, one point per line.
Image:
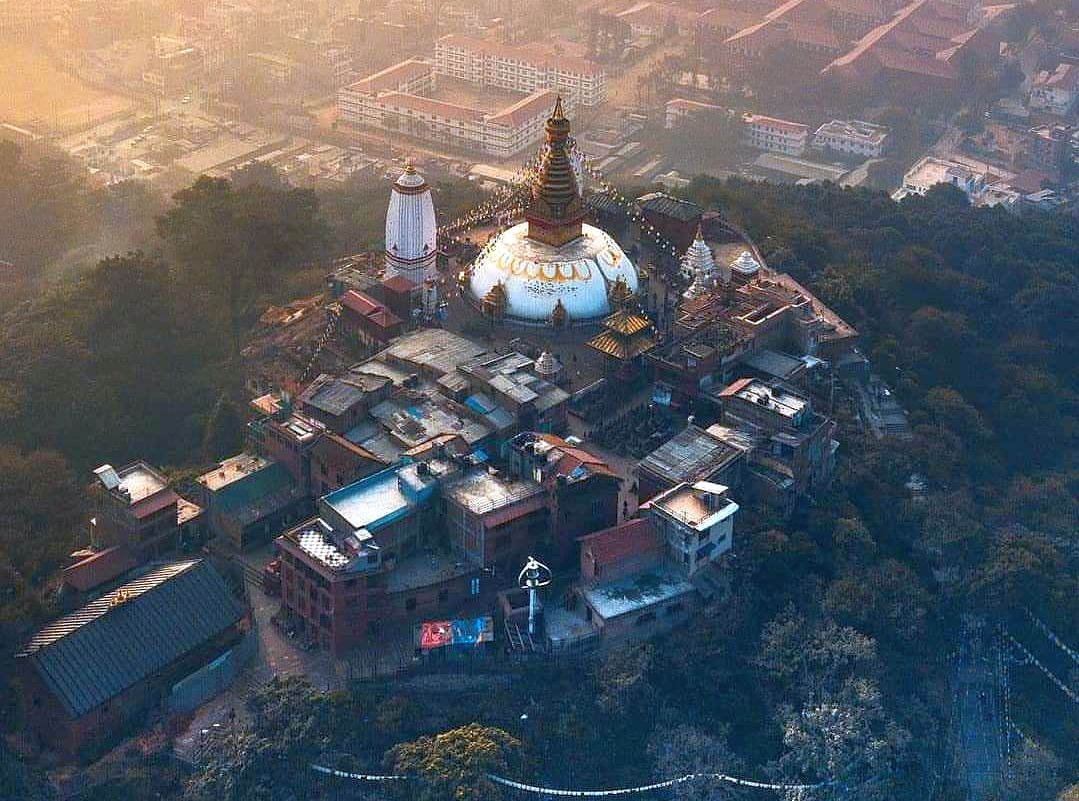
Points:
699	266
411	233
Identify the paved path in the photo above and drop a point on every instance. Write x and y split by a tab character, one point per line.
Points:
979	741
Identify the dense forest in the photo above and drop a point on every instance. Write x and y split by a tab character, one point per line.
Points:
830	661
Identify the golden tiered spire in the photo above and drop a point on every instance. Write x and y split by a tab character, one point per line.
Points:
620	296
556	212
494	302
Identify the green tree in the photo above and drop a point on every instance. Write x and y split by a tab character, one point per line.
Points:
456	764
224	431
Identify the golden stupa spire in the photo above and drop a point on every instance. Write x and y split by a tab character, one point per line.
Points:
556	212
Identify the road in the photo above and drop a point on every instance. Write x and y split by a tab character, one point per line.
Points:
979	735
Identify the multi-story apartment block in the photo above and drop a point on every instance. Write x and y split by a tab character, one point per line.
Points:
776	135
135	507
852	137
393	100
520	68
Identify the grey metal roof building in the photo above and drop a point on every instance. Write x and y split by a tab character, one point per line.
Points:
691	455
97	652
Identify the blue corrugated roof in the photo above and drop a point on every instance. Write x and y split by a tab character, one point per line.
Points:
95	653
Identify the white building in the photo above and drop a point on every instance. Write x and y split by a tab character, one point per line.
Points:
393	100
520	68
679	109
852	137
696	521
775	135
699	268
930	171
1056	92
411	232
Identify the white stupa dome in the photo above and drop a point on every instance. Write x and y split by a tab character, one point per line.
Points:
535	275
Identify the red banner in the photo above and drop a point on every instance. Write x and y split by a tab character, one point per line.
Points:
435	634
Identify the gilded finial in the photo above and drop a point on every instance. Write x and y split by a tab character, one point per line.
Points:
558	114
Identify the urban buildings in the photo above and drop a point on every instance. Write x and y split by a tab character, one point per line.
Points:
690	456
679	109
368	322
917	53
1056	91
91	674
248	499
851	137
775	135
930	171
582	491
695	521
649	573
396	100
525	68
135	508
437	534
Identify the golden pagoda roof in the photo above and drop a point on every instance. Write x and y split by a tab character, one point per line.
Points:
627	323
612	344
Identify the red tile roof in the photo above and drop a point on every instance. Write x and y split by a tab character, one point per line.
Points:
369	308
537	104
736	387
630	538
155	503
399	284
392	78
103	566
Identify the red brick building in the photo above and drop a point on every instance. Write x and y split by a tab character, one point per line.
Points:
582	490
367	321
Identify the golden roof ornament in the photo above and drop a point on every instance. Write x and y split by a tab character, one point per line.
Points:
559	316
620	296
494	302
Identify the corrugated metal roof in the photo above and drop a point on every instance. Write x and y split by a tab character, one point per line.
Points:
95	653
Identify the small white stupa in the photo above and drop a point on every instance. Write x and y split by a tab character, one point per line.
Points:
547	366
699	268
411	232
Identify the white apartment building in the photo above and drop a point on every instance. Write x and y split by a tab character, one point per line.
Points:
392	101
930	171
775	135
852	137
520	68
696	521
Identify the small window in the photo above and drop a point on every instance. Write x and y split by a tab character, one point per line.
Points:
443	596
410	604
474	586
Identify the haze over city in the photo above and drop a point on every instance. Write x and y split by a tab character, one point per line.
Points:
466	400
